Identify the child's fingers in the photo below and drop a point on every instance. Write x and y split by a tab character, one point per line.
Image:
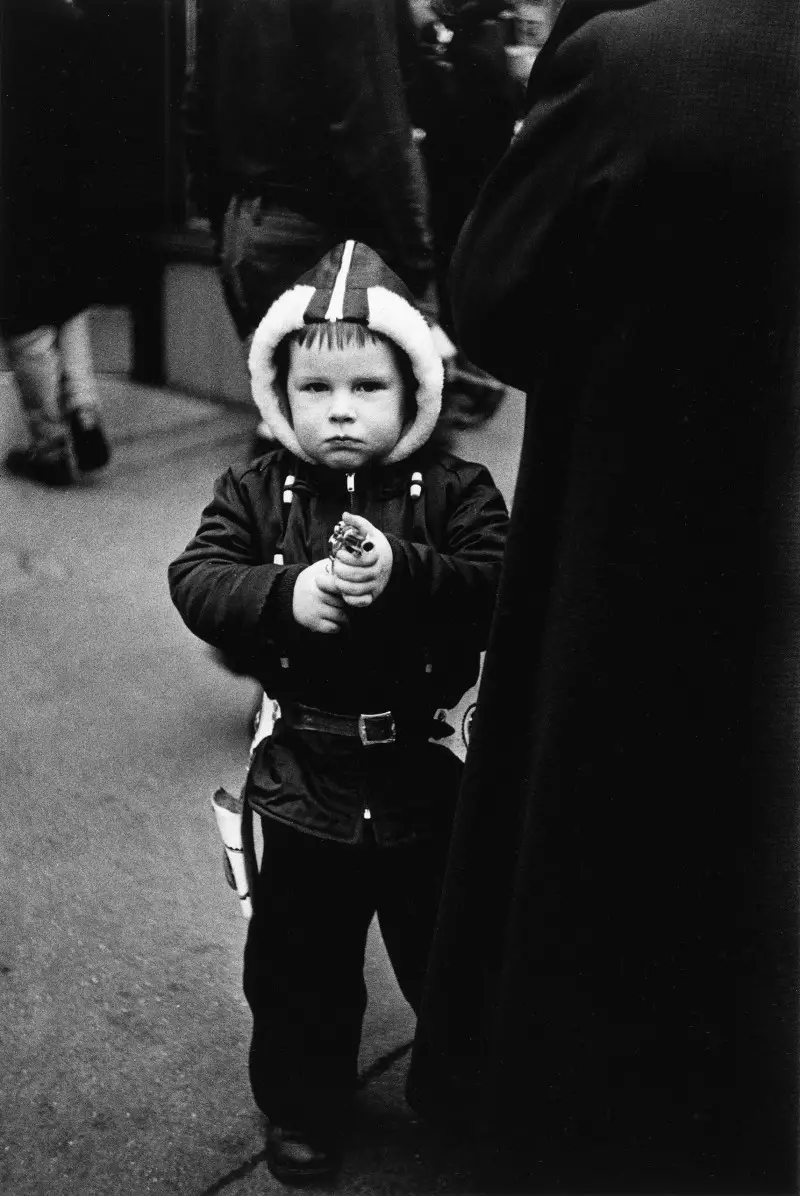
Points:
330	603
333	612
358	599
329	626
362	560
360	565
345	572
326	583
355	590
358	522
349	589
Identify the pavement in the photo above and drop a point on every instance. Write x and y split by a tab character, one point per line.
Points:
124	1032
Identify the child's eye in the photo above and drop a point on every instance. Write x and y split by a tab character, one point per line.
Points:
315	388
370	385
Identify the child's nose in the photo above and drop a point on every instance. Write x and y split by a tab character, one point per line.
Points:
341	405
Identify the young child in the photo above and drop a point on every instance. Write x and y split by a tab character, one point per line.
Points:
359	652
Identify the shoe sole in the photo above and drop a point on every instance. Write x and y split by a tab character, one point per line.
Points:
305	1175
91	464
54	482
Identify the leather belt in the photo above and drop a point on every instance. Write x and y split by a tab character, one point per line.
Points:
372	729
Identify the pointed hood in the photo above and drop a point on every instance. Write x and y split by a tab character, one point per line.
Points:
350	283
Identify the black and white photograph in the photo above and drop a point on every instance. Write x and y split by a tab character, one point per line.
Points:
400	597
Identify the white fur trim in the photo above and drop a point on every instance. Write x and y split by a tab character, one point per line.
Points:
389	314
394	316
444	346
285	316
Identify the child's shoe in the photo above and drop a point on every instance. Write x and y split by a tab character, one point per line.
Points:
50	466
92	450
295	1156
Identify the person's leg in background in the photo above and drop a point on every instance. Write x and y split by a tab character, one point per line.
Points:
265	247
34	360
80	396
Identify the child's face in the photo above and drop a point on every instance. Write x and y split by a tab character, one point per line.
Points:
346	404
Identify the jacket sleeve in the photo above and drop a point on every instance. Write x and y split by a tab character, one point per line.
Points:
225	593
451	589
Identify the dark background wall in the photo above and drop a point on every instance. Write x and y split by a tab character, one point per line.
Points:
134	184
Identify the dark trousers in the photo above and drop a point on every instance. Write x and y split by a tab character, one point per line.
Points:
304	961
266	246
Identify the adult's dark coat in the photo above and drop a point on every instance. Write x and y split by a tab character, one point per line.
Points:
613	988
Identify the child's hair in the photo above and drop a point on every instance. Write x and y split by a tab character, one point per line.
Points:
345	334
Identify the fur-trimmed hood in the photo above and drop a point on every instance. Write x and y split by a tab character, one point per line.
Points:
350	283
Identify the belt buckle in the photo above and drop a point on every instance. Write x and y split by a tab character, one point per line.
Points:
375	729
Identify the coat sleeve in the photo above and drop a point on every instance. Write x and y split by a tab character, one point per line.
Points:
223	590
520	263
451	590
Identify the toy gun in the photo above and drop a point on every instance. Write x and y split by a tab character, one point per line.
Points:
348	537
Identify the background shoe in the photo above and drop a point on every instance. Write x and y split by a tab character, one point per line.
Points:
468	400
51	467
293	1158
92	450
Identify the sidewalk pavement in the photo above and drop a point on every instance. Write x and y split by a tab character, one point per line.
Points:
123	1039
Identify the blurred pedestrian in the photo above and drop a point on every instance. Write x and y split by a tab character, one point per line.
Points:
463	97
298	137
356	807
80	393
54	373
47	251
612	998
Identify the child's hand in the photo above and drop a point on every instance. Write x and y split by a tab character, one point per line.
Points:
316	601
360	580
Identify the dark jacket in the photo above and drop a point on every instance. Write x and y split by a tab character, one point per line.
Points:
462	95
415	650
613	989
47	249
304	103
